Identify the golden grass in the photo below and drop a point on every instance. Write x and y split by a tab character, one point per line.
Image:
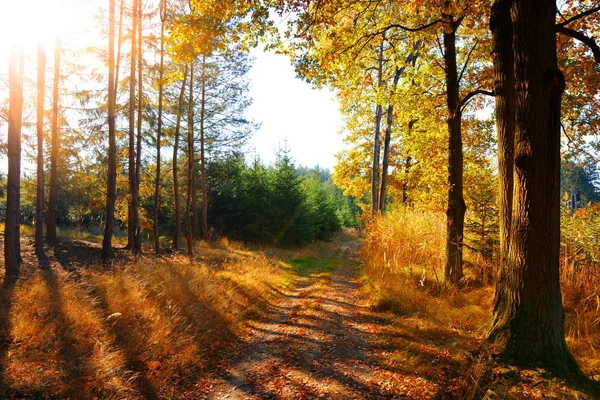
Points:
148	329
403	256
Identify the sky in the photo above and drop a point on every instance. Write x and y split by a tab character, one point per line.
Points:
292	114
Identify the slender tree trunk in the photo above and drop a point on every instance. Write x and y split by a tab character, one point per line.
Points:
190	175
528	315
504	90
51	223
111	192
386	143
163	16
137	243
21	85
39	201
455	212
376	146
119	42
132	223
202	155
12	225
177	236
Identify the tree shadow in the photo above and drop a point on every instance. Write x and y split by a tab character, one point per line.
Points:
6	303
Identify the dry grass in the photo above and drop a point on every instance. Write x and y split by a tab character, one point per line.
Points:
403	256
148	329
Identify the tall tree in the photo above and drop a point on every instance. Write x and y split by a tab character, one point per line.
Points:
137	242
528	313
179	112
12	226
111	192
39	202
133	217
376	146
163	17
190	171
53	193
202	148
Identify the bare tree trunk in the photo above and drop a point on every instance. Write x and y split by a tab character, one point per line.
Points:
137	243
504	90
131	223
39	201
455	212
529	320
119	42
190	175
111	192
386	143
12	225
163	16
21	85
177	235
51	223
202	156
376	146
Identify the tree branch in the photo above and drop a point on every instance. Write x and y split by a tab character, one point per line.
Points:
588	41
579	16
470	95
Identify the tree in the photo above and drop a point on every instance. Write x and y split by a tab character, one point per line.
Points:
163	17
190	170
528	325
112	145
52	198
179	112
13	186
39	203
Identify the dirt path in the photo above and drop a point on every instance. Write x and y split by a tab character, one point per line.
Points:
317	344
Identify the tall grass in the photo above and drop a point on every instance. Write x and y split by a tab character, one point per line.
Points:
403	254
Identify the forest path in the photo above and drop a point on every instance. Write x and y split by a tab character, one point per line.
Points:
319	341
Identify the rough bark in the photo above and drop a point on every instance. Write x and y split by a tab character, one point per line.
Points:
177	235
53	193
202	155
111	192
529	317
376	145
12	225
163	16
455	212
39	200
504	90
190	175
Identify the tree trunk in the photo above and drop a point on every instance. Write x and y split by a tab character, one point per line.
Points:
39	201
376	146
12	225
202	156
111	192
163	16
455	212
177	235
504	91
132	223
21	85
529	317
190	175
137	243
119	42
51	223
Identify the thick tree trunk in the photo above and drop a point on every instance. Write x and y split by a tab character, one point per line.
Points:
376	145
131	222
111	192
504	90
137	243
202	155
163	16
190	175
12	224
39	201
177	235
52	197
455	212
529	317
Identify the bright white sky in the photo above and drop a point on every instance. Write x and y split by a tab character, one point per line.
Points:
289	109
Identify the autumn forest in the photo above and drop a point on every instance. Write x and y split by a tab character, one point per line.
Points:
150	252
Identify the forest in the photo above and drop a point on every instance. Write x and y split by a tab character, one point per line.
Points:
451	252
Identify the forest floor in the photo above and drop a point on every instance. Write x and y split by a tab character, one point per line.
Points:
315	334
